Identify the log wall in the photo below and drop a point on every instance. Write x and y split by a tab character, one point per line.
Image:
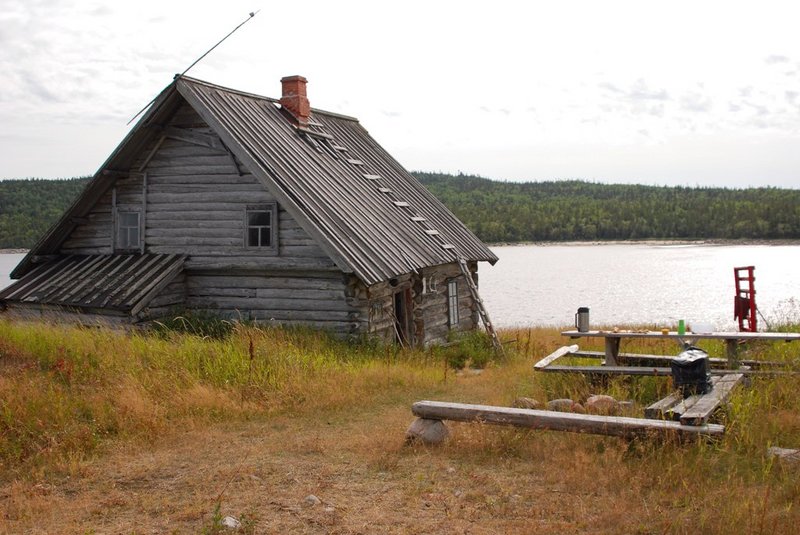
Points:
430	320
192	200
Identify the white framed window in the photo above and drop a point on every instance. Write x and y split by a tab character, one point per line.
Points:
128	230
452	303
261	226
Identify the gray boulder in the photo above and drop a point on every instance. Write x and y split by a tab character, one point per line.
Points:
427	431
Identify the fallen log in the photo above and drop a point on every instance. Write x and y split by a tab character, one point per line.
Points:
558	421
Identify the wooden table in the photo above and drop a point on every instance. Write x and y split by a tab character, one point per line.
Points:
732	339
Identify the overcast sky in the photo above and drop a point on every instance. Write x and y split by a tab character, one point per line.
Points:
685	93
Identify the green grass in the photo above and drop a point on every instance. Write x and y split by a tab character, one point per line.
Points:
66	392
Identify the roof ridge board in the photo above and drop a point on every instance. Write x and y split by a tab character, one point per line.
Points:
260	97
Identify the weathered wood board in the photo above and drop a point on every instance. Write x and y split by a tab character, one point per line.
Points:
558	421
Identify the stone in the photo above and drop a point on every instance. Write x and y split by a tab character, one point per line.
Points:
231	523
427	431
526	403
565	405
787	455
312	500
601	404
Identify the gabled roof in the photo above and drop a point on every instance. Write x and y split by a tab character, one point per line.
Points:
117	282
367	213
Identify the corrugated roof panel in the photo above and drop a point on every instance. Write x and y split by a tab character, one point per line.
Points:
363	226
118	282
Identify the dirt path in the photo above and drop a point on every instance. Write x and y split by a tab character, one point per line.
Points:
486	480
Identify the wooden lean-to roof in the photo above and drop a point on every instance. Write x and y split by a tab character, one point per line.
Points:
125	283
363	208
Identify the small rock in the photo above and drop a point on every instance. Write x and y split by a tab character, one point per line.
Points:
329	509
565	405
451	470
312	500
526	403
600	404
231	523
427	431
785	454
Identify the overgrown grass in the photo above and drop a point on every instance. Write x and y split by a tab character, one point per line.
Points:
65	392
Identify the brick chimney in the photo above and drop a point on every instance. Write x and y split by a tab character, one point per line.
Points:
294	98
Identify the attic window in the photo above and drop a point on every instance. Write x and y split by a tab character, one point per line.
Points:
128	230
261	225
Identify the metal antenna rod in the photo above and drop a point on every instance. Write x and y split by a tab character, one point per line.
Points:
252	14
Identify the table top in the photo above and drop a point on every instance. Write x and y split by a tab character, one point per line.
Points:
733	335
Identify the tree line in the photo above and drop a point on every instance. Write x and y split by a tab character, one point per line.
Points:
29	207
568	210
576	210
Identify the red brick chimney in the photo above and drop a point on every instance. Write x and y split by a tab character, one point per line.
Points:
294	98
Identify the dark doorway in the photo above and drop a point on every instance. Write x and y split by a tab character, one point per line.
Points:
402	317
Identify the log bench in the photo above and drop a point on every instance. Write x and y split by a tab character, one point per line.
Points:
559	421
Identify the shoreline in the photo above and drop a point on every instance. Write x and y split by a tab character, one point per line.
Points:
596	242
721	242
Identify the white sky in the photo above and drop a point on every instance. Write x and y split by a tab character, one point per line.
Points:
687	93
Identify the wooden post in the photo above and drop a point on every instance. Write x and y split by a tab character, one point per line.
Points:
732	352
612	350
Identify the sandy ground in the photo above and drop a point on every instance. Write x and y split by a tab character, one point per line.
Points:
484	480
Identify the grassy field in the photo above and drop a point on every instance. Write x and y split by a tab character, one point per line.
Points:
169	432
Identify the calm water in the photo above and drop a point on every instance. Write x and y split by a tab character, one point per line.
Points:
623	284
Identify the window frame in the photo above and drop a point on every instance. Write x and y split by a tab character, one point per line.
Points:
452	303
272	209
118	242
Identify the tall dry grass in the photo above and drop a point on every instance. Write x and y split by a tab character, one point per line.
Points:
65	392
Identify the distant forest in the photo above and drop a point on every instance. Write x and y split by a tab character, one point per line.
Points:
29	207
575	210
570	210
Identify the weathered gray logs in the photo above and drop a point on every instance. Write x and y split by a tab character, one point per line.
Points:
557	421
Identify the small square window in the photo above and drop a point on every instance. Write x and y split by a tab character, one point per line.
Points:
261	231
128	230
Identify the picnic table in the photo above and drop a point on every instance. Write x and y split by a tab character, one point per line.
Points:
613	339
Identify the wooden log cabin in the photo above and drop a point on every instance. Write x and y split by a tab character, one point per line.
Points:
253	208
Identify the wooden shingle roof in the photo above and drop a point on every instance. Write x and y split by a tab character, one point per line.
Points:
117	282
371	216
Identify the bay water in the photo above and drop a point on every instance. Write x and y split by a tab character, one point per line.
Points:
624	284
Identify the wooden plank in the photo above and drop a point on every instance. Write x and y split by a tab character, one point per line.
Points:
662	360
654	371
558	353
658	410
699	413
557	421
194	137
771	336
610	370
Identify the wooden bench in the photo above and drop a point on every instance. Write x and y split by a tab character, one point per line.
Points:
694	410
559	421
547	365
